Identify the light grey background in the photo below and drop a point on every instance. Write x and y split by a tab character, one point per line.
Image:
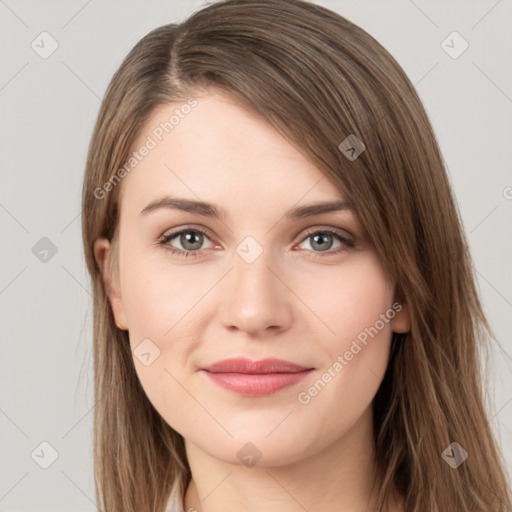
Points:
48	107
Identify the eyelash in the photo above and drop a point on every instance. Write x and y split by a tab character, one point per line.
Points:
166	238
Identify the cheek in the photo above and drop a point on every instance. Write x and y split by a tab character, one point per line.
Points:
159	304
356	306
351	300
157	297
162	302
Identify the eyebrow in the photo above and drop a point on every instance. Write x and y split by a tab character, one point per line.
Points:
210	210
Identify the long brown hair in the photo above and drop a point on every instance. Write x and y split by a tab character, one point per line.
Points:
317	78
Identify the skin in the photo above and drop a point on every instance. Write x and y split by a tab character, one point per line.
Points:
294	302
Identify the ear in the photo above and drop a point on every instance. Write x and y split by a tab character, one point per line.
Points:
401	322
102	253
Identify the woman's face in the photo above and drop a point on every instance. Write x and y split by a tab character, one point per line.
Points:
259	281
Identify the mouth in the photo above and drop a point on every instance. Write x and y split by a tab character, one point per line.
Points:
255	378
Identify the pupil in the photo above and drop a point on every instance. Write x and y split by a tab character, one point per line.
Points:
189	239
322	246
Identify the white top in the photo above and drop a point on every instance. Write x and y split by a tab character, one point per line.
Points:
174	504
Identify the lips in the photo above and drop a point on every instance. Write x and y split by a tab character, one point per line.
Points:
263	366
255	378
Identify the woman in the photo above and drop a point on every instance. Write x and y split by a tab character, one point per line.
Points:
285	311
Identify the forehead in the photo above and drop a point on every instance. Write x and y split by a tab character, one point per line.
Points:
211	148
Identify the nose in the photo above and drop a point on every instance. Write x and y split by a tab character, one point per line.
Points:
254	298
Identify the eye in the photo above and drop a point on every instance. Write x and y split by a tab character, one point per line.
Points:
190	239
322	241
189	242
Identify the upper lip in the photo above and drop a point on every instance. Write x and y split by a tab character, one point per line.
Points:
243	365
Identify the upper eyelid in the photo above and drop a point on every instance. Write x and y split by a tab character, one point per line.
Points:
170	234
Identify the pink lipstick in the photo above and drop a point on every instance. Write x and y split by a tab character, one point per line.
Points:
262	377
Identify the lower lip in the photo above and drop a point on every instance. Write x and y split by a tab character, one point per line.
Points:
256	384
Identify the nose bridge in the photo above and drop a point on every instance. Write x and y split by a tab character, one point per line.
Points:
253	276
255	299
